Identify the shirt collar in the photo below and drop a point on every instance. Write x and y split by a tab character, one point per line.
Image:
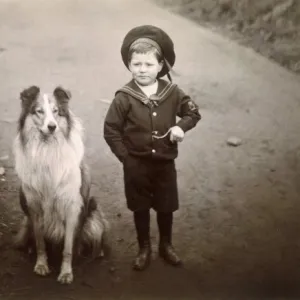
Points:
163	90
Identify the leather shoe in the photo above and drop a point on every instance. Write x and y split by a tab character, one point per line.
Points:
167	252
142	260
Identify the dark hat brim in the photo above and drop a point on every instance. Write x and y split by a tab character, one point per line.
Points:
156	34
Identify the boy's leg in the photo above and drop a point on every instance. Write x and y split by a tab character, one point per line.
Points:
138	196
142	225
166	250
165	203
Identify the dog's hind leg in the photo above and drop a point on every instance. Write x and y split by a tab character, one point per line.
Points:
72	219
23	237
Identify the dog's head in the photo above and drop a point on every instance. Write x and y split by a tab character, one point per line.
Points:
49	113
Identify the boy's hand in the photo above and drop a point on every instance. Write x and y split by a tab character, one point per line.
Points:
177	134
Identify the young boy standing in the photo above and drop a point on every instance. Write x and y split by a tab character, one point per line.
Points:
141	130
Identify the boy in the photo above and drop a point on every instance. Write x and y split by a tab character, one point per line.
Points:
141	130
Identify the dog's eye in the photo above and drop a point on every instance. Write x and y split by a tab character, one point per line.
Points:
39	111
55	110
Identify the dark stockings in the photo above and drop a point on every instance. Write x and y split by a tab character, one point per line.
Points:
165	222
142	225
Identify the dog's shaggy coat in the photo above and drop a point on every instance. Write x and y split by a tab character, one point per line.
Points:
55	181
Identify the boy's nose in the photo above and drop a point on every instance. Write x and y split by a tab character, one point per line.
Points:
143	68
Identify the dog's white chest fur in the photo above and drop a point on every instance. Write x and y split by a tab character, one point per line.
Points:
46	166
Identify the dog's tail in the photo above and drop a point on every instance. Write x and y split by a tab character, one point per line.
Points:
106	240
95	231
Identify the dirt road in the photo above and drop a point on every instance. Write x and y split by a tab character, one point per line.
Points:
238	226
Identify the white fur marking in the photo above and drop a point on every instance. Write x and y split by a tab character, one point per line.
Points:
49	118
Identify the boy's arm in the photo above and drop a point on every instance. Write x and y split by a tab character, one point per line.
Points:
114	126
188	111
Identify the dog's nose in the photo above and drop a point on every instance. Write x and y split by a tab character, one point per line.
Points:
51	127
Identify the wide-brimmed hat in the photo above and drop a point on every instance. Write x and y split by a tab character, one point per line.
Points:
155	34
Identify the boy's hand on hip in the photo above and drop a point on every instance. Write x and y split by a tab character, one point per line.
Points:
177	134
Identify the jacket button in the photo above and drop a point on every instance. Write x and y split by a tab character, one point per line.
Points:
153	151
154	114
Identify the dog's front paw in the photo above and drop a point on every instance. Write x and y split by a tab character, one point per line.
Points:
65	278
41	269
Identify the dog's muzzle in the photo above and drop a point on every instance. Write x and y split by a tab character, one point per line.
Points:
49	128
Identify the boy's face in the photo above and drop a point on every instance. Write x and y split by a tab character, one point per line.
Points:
144	67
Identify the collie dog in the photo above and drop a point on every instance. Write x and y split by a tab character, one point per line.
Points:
55	182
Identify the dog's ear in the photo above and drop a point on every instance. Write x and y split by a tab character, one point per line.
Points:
62	94
29	95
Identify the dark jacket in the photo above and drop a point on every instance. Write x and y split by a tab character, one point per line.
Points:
133	119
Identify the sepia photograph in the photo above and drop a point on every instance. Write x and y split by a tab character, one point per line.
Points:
149	149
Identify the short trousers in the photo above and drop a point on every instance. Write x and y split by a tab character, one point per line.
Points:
150	183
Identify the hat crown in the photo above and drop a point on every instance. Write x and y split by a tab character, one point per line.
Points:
156	34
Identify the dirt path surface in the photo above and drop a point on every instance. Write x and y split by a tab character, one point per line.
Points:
238	226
